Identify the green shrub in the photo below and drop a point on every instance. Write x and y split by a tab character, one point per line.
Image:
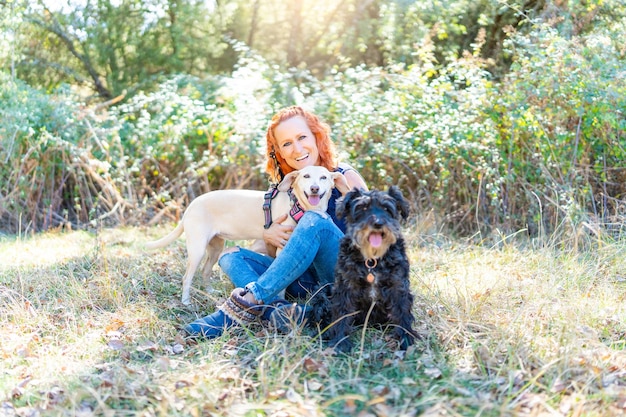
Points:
542	149
422	129
561	118
48	176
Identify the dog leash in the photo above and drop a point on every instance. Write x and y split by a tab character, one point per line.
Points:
296	212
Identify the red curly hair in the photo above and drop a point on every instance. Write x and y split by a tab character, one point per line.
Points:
276	166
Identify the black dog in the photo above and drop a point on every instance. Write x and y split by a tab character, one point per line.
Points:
372	268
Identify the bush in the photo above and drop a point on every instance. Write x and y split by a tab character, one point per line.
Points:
543	149
423	129
191	136
561	118
48	175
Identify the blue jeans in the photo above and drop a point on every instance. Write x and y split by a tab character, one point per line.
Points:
307	260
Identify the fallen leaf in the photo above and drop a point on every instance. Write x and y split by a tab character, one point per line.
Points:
7	409
113	334
279	393
383	410
164	363
408	381
349	406
106	378
434	373
180	340
114	325
314	385
148	346
116	344
17	393
329	351
566	404
182	384
293	397
55	395
311	365
230	352
380	390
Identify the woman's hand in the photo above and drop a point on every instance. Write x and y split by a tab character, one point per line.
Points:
277	235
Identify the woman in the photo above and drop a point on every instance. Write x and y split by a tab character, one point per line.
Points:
295	139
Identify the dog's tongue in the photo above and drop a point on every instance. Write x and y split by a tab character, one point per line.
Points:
376	239
314	200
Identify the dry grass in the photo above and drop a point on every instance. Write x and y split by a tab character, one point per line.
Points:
90	327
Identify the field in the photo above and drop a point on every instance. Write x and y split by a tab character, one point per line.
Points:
90	326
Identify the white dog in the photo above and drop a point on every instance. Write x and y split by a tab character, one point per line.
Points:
222	215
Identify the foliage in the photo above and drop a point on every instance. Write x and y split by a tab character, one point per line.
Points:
48	175
111	47
540	147
563	127
421	129
117	47
179	139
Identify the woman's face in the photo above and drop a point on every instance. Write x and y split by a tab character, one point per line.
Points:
296	143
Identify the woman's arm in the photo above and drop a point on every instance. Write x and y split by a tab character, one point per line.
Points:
355	180
277	235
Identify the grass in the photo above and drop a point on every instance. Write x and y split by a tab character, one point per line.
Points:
90	327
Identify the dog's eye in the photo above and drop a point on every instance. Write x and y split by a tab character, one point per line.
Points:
307	175
390	208
361	206
324	178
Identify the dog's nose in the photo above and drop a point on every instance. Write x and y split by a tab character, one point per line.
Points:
377	222
315	189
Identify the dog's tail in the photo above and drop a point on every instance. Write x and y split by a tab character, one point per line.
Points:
166	240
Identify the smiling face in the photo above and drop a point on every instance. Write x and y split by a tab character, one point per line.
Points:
296	143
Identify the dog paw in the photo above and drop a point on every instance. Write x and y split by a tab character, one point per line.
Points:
343	345
406	340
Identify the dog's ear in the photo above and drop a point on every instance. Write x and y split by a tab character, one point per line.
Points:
340	182
401	202
343	203
287	182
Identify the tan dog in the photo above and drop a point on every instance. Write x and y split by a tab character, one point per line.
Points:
222	215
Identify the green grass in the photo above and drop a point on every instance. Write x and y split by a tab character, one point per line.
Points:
90	327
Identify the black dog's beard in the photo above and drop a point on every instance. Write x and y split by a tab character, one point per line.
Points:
373	243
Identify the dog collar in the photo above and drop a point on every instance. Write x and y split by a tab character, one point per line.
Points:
370	264
267	204
296	211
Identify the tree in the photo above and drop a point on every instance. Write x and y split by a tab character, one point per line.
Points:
111	46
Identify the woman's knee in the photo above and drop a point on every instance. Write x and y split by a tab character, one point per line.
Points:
226	255
314	218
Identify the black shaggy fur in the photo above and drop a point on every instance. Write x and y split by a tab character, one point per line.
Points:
383	256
